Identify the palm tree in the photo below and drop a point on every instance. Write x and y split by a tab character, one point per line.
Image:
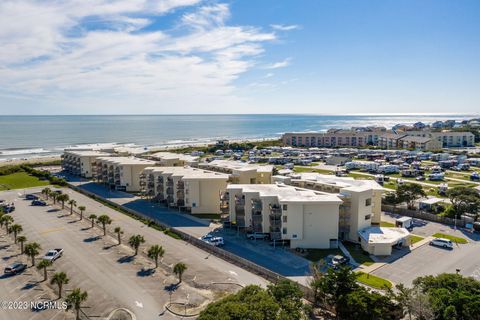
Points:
75	299
72	203
54	196
63	198
82	209
44	264
104	220
156	252
22	240
16	229
6	220
31	250
135	242
46	192
179	269
119	233
59	278
92	217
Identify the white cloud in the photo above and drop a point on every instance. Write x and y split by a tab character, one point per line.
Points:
283	27
82	52
280	64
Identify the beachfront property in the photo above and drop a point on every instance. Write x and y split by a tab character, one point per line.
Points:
170	159
191	189
241	172
309	219
80	162
354	137
420	139
120	173
361	199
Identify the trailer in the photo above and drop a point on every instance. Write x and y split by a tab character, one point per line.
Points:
404	222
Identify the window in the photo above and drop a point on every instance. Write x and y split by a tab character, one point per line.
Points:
294	236
368	202
368	216
284	219
284	230
284	208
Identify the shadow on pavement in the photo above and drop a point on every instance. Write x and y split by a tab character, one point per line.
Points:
145	272
126	259
92	239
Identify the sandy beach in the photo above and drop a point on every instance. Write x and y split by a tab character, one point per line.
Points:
30	160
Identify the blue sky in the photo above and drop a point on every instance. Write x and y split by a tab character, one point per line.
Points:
265	56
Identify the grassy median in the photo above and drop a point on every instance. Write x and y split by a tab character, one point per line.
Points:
451	238
373	281
415	239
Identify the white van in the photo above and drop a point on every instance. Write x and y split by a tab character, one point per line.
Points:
216	241
441	242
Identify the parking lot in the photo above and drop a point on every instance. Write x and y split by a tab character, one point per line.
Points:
108	272
428	259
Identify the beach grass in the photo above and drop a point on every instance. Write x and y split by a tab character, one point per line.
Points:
20	180
449	237
373	281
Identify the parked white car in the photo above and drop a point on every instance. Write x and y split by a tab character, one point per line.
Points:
441	242
53	254
216	241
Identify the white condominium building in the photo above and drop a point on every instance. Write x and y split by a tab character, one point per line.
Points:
309	219
80	162
191	189
170	159
241	172
361	199
120	173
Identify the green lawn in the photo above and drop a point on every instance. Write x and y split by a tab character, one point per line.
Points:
373	281
208	216
386	224
358	254
316	255
451	238
20	180
414	238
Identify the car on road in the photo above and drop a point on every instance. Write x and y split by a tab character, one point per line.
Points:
336	261
39	203
441	242
15	268
53	254
31	197
216	241
257	235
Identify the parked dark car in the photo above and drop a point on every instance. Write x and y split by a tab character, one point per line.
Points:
9	208
336	261
39	203
15	268
31	197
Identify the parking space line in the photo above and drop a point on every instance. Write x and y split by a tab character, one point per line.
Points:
51	230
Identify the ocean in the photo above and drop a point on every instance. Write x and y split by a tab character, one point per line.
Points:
36	136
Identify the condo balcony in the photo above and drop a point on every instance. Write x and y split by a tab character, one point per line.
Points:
170	182
239	201
224	208
180	194
170	190
224	196
275	235
160	179
257	204
180	203
160	188
180	185
151	185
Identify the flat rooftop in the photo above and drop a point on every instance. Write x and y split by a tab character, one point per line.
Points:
187	173
347	183
383	235
238	165
127	161
286	193
174	156
87	153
